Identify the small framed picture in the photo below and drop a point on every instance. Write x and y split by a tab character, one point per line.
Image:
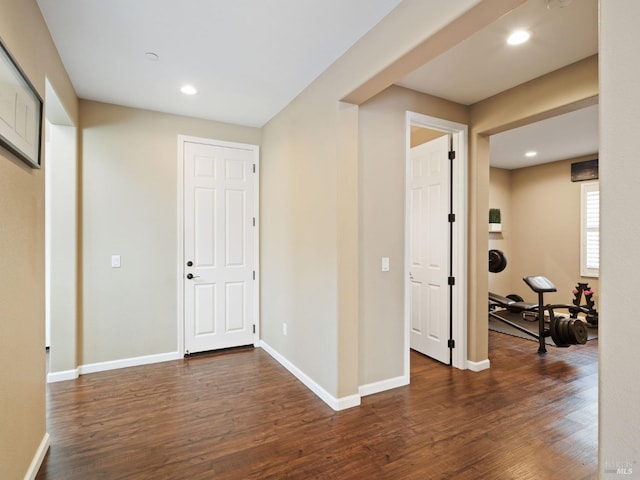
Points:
582	171
20	112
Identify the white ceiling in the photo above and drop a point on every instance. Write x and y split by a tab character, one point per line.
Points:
247	58
250	58
484	65
559	138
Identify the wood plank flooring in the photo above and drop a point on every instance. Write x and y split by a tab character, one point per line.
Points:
240	415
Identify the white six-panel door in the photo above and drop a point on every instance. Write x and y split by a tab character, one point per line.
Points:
429	249
219	263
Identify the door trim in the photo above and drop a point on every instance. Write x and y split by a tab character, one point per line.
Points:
180	261
460	138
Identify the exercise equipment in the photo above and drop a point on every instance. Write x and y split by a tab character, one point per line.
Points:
592	314
564	331
497	261
512	302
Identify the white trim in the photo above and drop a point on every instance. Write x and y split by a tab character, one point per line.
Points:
180	245
335	403
129	362
112	365
38	458
47	232
478	366
343	403
63	375
460	138
383	385
180	232
256	246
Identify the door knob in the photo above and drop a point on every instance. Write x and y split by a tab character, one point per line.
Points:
191	276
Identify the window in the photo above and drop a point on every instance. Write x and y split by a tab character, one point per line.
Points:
590	230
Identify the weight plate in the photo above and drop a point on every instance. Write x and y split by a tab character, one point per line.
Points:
579	331
555	334
515	297
571	330
497	261
563	334
560	339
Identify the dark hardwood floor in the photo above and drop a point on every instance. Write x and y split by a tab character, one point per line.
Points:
240	415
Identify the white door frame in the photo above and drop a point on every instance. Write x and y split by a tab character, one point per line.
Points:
180	261
460	138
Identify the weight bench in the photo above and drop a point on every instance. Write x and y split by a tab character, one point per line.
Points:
563	331
511	304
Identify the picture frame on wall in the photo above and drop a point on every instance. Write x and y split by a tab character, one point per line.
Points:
582	171
20	112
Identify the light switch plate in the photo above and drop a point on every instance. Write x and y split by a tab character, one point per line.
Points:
385	264
115	261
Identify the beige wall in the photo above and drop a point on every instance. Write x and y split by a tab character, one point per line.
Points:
295	152
62	198
22	354
382	224
546	229
129	208
420	135
299	242
619	416
541	229
301	194
310	264
500	197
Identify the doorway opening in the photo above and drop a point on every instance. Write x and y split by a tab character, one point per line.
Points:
541	211
449	319
218	248
61	239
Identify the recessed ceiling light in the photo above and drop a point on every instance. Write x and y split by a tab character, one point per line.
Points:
531	153
518	37
188	90
152	57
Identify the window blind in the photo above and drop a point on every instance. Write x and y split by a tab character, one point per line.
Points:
590	251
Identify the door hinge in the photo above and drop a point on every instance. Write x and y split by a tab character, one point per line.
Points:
452	280
451	343
254	221
254	274
452	154
452	217
254	168
254	328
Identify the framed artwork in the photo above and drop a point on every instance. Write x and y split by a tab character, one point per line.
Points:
20	112
582	171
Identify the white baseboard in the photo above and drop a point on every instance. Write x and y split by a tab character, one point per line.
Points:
38	458
128	362
335	403
383	385
478	366
63	375
349	401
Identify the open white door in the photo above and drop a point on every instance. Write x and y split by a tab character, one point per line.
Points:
219	239
429	248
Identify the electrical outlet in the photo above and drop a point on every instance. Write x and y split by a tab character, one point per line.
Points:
284	328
